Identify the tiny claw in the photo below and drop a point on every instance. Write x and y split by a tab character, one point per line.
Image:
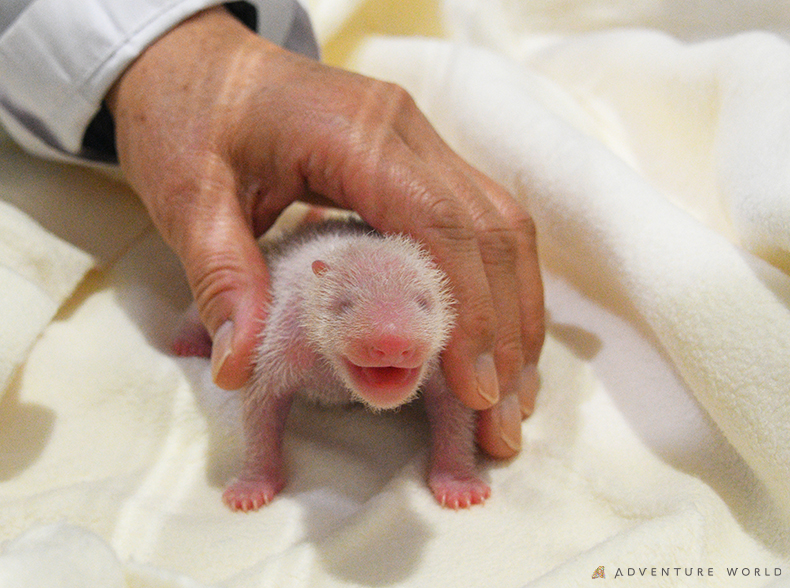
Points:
250	495
455	493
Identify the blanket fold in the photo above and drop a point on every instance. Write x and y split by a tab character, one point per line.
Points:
38	272
56	223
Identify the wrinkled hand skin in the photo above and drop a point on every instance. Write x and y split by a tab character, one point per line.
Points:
218	130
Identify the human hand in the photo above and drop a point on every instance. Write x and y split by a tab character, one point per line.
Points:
218	130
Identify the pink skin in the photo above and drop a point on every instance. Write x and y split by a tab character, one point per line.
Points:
382	364
263	475
192	338
452	475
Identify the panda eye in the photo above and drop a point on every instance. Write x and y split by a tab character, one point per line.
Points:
342	305
425	302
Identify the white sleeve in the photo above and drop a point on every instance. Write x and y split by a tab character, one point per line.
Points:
58	59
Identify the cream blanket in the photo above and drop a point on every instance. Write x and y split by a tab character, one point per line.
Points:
658	172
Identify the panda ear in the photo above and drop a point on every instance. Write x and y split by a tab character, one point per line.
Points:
320	267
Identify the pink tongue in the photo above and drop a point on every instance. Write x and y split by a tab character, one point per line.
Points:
384	387
385	376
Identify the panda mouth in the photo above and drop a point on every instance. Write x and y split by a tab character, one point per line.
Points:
384	386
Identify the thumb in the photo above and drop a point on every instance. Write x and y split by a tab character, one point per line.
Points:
230	282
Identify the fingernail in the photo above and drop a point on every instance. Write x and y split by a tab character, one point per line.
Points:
509	416
487	384
221	348
528	384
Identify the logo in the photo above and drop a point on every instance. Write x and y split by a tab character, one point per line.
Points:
599	573
679	572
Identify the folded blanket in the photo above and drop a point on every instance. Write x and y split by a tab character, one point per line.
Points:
659	451
37	272
48	241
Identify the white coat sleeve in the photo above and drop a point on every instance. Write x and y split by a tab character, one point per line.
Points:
58	59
